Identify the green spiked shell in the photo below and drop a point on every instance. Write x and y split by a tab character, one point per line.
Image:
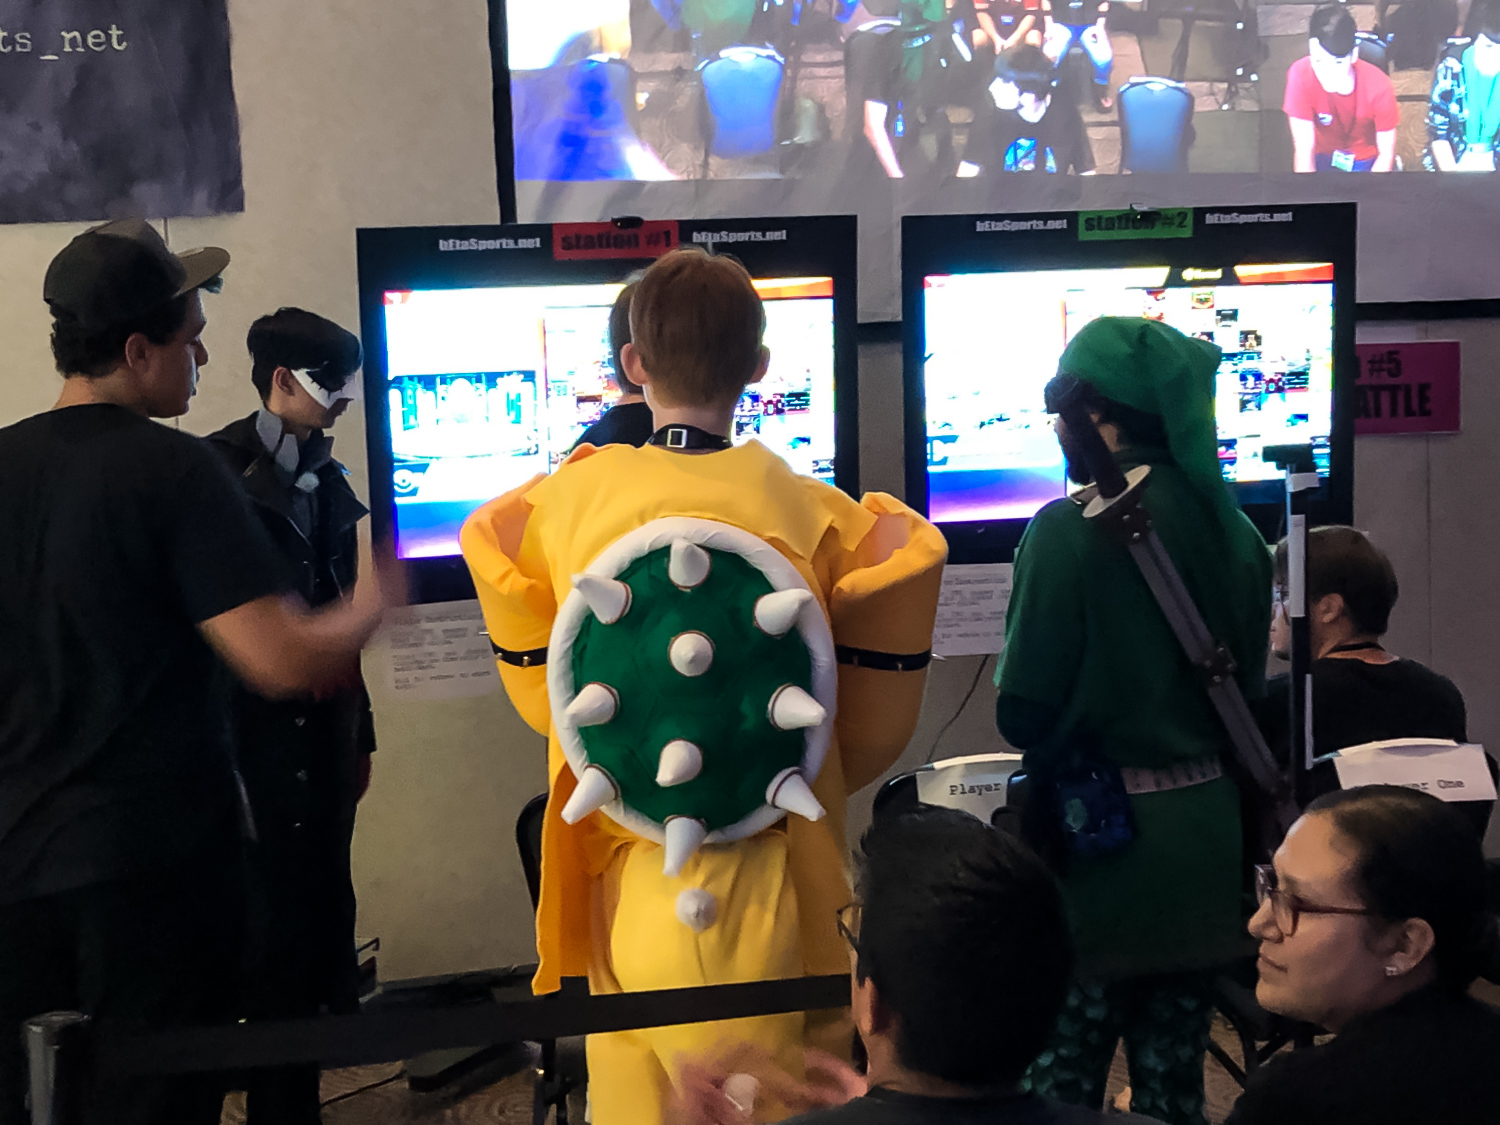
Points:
693	669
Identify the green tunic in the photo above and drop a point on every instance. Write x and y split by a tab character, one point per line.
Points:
1086	640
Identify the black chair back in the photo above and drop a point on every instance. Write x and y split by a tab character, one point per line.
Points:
529	844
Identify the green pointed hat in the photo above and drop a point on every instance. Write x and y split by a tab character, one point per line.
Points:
1152	367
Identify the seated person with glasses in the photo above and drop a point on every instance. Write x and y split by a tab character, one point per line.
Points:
1373	923
960	958
1361	691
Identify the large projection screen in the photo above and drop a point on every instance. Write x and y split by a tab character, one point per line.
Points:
725	107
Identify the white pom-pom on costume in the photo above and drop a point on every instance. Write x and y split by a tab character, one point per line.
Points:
778	612
790	792
595	790
680	761
691	653
684	834
697	909
689	564
791	708
609	598
595	704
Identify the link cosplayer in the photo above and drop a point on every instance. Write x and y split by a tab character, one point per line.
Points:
670	617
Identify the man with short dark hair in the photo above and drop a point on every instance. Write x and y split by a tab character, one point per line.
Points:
1341	110
306	762
628	421
130	567
1024	128
1361	692
960	959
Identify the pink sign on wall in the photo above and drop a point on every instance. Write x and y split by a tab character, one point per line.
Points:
1407	388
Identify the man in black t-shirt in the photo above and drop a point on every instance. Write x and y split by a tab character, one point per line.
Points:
1361	691
900	77
960	959
1024	128
628	421
130	566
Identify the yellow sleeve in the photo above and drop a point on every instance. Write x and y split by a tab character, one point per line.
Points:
518	608
886	602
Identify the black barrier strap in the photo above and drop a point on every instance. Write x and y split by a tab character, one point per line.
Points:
399	1033
521	658
883	661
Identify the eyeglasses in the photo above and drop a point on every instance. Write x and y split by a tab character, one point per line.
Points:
1286	907
848	922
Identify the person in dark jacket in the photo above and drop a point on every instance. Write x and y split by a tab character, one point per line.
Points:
305	762
628	421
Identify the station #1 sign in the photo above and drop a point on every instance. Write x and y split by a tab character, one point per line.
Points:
1407	388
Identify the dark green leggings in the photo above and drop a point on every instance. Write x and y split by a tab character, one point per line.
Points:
1165	1023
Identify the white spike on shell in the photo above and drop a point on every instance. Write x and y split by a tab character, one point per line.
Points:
688	565
684	834
680	761
777	612
697	909
791	708
609	598
595	704
790	792
691	653
595	790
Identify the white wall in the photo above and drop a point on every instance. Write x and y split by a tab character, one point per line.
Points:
363	115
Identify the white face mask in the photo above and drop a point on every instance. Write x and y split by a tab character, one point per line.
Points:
1334	74
349	392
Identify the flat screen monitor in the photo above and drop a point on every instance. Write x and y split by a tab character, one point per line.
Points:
992	301
488	355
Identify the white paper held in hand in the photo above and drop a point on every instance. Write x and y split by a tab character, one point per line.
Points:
437	651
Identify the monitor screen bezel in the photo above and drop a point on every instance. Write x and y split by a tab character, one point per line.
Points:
945	244
404	258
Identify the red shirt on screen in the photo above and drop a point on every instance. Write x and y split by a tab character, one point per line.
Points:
1343	122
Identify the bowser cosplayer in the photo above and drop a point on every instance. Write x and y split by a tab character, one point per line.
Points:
720	652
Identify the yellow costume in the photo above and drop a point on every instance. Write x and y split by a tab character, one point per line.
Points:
608	910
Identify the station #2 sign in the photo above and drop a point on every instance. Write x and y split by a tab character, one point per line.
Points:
1407	388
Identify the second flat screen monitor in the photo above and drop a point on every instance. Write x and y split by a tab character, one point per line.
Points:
992	453
992	302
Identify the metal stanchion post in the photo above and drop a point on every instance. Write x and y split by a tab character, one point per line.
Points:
55	1046
1301	479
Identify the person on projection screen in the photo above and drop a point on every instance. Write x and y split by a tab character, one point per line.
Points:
900	81
1341	110
1463	111
1025	128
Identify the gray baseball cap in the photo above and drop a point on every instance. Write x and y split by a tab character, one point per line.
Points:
113	273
